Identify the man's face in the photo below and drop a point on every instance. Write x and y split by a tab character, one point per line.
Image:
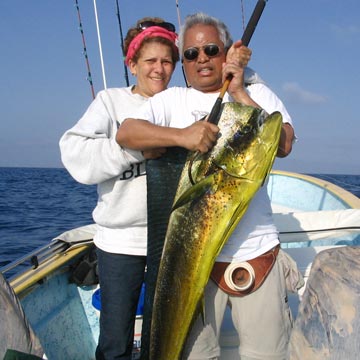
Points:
204	73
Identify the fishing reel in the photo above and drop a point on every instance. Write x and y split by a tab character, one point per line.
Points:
239	276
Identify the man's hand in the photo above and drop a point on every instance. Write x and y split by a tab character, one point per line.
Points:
238	54
237	59
200	136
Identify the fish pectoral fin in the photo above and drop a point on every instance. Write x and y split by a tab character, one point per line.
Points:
239	172
196	191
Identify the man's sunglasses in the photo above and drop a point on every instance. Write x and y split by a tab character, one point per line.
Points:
165	25
193	52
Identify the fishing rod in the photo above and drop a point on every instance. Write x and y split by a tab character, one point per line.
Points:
99	41
179	22
122	43
242	14
89	78
178	13
248	33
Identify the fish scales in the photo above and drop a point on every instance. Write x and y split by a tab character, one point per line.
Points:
226	180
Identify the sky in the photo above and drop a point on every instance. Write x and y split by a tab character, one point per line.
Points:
307	52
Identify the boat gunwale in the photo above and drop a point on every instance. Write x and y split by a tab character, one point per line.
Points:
25	280
349	199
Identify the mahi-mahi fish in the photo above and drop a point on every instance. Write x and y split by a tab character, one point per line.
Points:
208	206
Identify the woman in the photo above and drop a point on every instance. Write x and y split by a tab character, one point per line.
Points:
92	156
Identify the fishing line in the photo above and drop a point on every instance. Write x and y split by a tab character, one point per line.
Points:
100	48
89	78
122	43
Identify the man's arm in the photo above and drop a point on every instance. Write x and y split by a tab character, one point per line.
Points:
286	140
142	135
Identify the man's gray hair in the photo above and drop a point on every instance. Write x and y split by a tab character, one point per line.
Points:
204	19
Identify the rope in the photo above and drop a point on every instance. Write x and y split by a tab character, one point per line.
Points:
89	78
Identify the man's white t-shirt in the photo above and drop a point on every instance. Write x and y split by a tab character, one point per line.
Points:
180	107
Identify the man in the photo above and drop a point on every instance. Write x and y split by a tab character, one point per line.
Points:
262	318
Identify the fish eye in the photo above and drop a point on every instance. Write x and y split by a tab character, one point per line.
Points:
237	135
246	129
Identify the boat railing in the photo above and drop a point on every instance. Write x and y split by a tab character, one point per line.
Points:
37	256
328	227
69	244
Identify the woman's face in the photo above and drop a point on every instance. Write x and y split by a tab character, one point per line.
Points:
153	69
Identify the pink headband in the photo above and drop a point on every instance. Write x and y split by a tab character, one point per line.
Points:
150	32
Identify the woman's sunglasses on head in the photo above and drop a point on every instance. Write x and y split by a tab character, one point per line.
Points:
193	52
165	25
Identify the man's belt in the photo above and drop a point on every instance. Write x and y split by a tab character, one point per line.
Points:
240	279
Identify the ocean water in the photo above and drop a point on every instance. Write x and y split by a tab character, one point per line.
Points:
38	204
